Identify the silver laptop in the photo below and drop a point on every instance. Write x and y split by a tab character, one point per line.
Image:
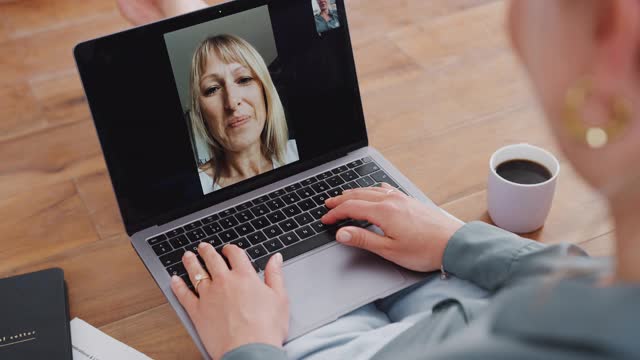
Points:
234	124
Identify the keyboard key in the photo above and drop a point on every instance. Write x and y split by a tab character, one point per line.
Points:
276	194
229	235
192	226
257	237
288	225
262	199
180	241
308	181
245	216
176	269
305	192
291	198
340	169
212	229
227	212
244	206
367	159
209	219
300	248
350	185
305	232
319	227
319	212
289	238
242	243
260	210
276	217
320	198
257	252
244	229
174	232
195	235
273	231
193	247
307	204
275	204
157	240
162	248
324	175
260	223
365	182
213	240
381	176
172	257
304	218
229	222
273	245
354	164
335	181
294	187
349	176
367	169
292	210
320	187
335	192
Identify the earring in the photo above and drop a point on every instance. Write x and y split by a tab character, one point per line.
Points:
593	136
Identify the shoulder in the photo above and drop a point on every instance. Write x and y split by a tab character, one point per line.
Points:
206	179
291	153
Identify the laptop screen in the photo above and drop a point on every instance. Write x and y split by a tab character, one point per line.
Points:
194	110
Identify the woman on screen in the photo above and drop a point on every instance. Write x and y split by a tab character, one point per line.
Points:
237	112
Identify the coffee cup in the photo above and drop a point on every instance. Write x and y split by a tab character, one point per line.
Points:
521	186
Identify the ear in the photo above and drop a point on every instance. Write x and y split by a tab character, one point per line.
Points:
617	44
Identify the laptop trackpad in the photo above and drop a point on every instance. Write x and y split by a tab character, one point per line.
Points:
325	285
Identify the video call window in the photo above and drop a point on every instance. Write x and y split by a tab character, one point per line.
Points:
237	123
326	15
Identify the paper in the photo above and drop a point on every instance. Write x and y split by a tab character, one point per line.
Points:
90	343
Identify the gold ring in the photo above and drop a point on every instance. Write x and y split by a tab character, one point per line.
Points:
390	191
198	278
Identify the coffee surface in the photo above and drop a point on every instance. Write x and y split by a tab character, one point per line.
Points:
523	172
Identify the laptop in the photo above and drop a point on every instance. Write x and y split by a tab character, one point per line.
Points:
234	124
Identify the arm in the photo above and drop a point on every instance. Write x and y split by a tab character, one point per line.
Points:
255	351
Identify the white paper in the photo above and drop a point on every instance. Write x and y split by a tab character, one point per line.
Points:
90	343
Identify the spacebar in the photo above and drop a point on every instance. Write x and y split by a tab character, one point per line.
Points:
301	247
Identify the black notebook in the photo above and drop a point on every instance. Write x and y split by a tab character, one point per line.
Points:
34	317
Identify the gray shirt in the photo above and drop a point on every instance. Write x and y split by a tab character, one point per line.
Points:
322	25
545	305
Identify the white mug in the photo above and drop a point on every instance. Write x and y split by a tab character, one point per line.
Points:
521	208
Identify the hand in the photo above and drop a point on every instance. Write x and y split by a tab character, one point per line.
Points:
415	234
235	307
139	12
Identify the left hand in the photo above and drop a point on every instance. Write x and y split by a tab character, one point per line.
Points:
235	307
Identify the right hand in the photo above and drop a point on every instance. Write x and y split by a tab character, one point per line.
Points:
139	12
416	234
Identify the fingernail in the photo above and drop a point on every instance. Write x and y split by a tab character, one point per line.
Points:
189	253
279	258
174	279
343	236
348	190
202	245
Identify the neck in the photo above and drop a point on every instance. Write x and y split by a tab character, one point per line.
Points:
325	12
246	163
625	208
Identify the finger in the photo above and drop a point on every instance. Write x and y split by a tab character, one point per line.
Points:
364	239
186	297
193	266
238	258
214	261
356	210
273	274
367	194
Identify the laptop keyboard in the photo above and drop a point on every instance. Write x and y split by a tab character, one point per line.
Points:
286	220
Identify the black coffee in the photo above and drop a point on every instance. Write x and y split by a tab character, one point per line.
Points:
523	172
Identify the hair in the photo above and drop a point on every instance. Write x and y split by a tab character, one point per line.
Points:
232	49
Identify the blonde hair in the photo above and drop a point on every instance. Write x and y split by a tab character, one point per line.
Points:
232	49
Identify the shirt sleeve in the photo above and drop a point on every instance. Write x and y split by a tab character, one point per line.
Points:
255	351
493	258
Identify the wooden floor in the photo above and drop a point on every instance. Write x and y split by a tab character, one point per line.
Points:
441	92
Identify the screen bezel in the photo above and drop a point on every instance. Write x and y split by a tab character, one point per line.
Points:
190	19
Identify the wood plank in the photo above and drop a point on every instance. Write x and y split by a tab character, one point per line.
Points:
106	281
20	112
42	222
97	194
48	157
157	333
62	98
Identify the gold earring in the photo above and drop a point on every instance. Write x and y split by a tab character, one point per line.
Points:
593	136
